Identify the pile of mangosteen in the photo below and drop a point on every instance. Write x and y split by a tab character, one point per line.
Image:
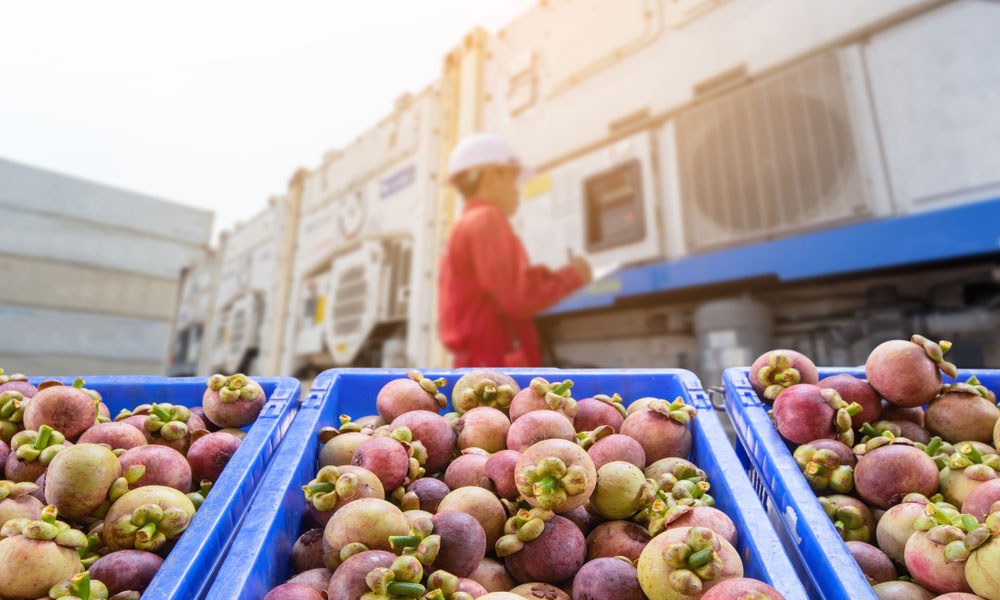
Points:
519	493
906	466
90	505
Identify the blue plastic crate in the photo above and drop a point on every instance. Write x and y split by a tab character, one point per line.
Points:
259	558
803	525
192	563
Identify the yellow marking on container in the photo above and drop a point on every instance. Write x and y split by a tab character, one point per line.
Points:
542	184
341	347
320	309
607	286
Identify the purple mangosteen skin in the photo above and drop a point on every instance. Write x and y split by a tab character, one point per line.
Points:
66	409
913	432
979	500
901	590
467	470
553	557
293	591
463	543
617	538
873	562
659	435
470	587
164	466
852	389
536	426
885	475
499	469
895	528
617	447
307	553
386	458
27	390
430	492
607	579
210	454
926	563
126	570
348	581
401	396
844	452
801	415
891	412
4	453
317	579
592	413
903	374
115	434
732	589
434	432
806	368
483	427
583	519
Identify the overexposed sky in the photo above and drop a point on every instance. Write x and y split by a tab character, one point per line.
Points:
213	104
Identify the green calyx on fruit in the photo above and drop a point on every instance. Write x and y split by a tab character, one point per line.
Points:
615	401
884	439
4	378
10	489
936	353
823	471
414	449
550	481
684	485
970	386
234	388
959	534
694	560
12	405
401	580
421	543
848	520
198	497
966	456
333	558
523	527
486	393
329	487
937	449
556	394
79	587
328	433
430	386
119	488
842	414
442	585
777	375
41	445
586	439
153	526
870	431
663	512
676	410
93	550
169	420
48	528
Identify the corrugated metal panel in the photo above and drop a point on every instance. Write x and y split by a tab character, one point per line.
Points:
56	365
66	238
33	189
33	331
42	283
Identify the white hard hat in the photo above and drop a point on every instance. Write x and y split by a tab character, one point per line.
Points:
481	150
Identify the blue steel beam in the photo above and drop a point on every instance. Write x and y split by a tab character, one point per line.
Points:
955	232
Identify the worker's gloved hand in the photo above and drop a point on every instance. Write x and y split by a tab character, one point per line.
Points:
582	267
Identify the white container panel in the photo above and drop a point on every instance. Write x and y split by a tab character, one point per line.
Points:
38	190
651	64
936	85
46	331
42	283
64	238
51	365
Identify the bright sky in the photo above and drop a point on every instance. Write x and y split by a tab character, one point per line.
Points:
213	104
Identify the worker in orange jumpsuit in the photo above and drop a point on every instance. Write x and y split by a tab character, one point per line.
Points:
488	292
